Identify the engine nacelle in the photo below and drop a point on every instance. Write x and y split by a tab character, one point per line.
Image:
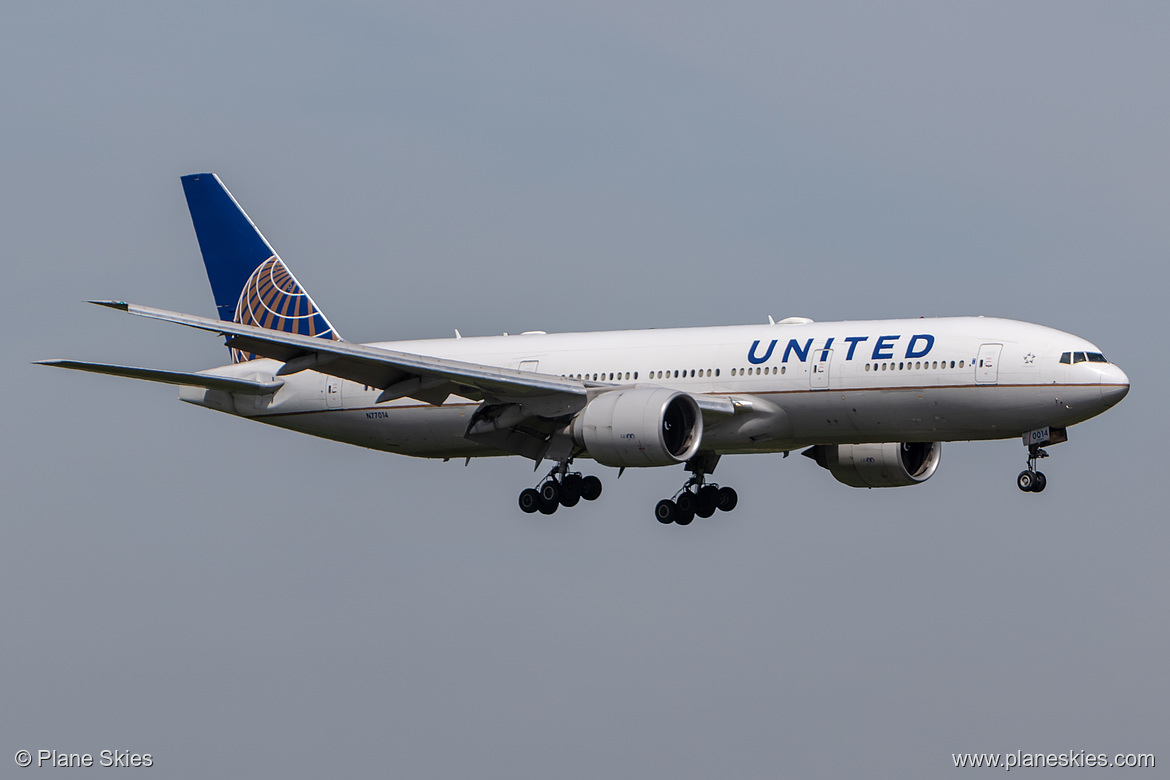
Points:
893	464
642	426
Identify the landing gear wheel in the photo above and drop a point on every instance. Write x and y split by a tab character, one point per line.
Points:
686	508
1030	480
572	483
547	507
666	511
590	488
728	499
706	501
529	500
570	490
550	492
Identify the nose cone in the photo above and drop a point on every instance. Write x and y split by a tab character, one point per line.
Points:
1114	384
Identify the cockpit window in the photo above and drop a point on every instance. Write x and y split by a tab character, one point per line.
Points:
1082	357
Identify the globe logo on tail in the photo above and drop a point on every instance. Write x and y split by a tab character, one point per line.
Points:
273	299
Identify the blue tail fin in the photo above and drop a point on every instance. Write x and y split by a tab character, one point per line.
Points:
251	284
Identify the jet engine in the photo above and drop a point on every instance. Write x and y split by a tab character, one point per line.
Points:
893	464
641	426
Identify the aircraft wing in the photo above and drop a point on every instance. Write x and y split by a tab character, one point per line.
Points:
402	374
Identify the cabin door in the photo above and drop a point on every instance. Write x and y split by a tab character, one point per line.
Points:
818	372
332	392
987	364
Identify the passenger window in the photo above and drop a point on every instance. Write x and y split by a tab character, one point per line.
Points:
783	369
1066	358
960	364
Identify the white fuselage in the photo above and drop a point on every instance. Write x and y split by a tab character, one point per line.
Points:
945	379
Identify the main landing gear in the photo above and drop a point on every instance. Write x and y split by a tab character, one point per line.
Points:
695	500
1030	480
696	497
560	487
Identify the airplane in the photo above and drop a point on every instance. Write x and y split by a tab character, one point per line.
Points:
870	401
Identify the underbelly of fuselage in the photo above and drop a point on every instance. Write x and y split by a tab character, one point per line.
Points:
959	413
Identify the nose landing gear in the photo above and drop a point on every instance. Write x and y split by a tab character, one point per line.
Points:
1030	480
560	487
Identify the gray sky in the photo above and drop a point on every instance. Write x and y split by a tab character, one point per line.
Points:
229	597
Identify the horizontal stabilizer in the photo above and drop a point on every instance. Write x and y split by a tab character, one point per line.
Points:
210	381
